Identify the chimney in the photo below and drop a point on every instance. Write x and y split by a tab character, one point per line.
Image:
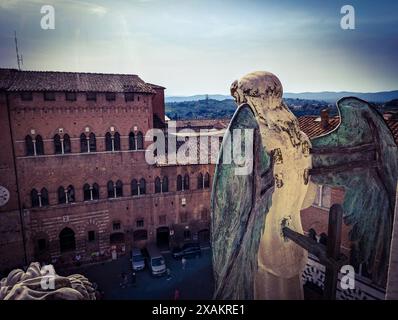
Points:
325	118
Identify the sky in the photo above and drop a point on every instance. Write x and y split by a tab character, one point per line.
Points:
202	46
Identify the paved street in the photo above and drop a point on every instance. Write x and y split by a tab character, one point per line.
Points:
195	282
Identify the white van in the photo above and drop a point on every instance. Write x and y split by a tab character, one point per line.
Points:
156	261
137	259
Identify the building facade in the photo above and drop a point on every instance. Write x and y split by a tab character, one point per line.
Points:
74	174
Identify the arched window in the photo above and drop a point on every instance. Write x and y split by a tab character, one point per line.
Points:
142	186
67	240
30	150
39	145
95	191
186	182
39	199
92	142
34	196
179	182
108	142
119	188
110	189
200	181
140	141
158	187
91	193
86	192
67	144
70	194
132	144
207	180
57	144
165	184
44	197
83	143
116	142
134	187
63	145
61	195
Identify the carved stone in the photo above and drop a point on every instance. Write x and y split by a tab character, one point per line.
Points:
39	283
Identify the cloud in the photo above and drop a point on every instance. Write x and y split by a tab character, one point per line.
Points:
75	5
15	4
98	10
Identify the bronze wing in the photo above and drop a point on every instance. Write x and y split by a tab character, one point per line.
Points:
239	205
361	156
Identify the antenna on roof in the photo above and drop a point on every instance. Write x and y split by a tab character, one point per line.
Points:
19	57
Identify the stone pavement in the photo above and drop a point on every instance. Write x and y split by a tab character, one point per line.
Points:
195	282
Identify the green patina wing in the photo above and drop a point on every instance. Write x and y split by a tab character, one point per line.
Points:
361	156
239	205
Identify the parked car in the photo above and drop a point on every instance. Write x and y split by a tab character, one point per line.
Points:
137	259
156	261
188	250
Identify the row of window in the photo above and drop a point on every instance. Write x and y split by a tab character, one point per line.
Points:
72	96
88	143
67	238
115	189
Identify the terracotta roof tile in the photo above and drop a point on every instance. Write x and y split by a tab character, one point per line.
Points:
311	125
74	81
312	128
6	78
203	123
393	125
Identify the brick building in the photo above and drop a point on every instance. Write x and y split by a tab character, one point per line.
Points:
73	175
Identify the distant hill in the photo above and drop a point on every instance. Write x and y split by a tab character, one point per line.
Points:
215	109
197	97
327	96
334	96
200	109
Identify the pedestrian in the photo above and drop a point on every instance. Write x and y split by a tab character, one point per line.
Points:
176	294
77	259
168	273
183	262
124	280
133	279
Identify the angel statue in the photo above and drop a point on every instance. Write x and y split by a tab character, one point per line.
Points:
251	257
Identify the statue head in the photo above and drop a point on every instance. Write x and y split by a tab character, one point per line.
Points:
257	87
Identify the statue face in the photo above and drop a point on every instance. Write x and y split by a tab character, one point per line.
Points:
236	93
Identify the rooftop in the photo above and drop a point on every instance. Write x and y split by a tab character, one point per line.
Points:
310	125
14	80
198	124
